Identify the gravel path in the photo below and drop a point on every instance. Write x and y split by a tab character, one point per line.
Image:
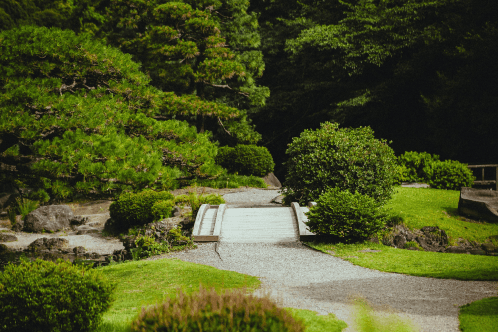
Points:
297	276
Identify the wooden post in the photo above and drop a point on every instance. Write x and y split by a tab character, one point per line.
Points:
496	179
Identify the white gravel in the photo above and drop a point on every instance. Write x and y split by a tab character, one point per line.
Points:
300	277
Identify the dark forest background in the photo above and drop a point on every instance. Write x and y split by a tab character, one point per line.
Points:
423	74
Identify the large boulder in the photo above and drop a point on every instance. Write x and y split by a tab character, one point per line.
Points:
51	218
48	244
271	180
479	204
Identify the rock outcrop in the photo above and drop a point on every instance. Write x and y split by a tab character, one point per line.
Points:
51	218
48	244
479	204
432	238
271	180
7	237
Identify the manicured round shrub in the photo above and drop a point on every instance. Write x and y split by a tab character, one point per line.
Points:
246	160
209	311
347	158
351	217
44	296
450	174
135	209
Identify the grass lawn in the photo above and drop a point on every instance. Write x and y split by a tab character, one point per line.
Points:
415	263
480	316
421	207
142	283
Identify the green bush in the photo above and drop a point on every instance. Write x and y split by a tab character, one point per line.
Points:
416	165
350	217
195	201
43	296
232	181
210	311
427	168
329	157
163	209
135	209
450	174
246	160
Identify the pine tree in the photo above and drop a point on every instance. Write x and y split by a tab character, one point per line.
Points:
77	116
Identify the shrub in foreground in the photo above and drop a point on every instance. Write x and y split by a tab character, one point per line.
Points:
209	311
351	217
44	296
135	209
347	158
195	201
246	160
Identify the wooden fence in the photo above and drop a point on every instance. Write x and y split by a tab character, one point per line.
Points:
484	182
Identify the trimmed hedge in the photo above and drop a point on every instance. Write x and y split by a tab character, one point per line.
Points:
136	209
43	296
246	160
350	217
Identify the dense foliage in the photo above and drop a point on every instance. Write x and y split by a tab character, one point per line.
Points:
211	311
344	158
427	168
137	209
77	116
43	296
351	217
419	73
246	160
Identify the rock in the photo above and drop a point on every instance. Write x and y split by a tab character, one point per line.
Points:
81	230
479	204
271	180
79	250
399	241
47	244
7	195
50	218
435	236
374	239
488	247
3	248
78	220
7	237
477	252
177	211
456	250
18	226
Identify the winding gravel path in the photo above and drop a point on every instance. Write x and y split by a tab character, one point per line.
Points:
300	277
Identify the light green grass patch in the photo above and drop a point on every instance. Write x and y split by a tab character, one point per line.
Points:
143	283
368	320
318	323
416	263
479	316
437	207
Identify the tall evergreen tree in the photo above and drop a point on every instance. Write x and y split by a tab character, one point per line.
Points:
77	116
202	48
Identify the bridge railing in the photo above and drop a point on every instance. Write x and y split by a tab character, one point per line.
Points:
483	181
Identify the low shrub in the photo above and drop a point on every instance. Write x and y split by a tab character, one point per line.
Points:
162	209
350	217
246	160
450	174
195	201
210	311
232	181
43	296
347	158
416	165
427	168
135	209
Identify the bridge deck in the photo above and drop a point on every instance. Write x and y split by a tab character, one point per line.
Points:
251	225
